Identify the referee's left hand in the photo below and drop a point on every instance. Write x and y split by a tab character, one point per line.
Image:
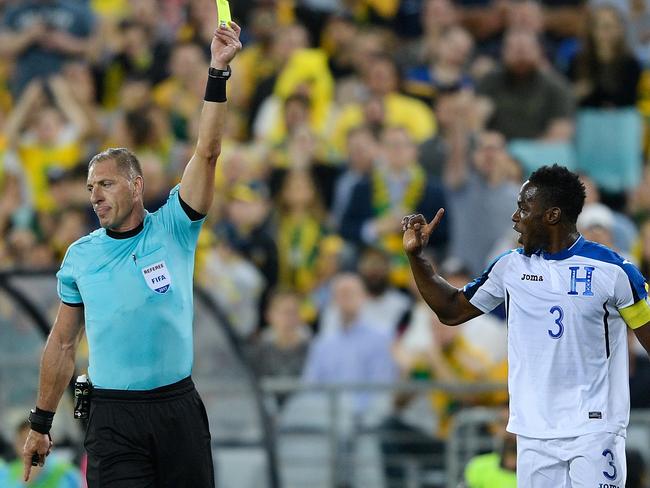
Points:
37	448
225	44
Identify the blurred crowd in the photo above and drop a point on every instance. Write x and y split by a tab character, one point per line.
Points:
344	116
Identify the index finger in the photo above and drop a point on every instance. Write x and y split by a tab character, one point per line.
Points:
435	221
27	466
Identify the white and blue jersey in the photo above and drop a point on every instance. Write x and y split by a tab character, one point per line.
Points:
567	346
138	299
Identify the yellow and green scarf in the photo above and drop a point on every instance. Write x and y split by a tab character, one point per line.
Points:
392	243
298	243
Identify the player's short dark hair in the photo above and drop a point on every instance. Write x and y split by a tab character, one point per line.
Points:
560	188
126	161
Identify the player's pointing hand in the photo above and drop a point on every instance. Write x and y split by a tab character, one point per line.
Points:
417	231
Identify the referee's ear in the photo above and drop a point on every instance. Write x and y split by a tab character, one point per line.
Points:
138	186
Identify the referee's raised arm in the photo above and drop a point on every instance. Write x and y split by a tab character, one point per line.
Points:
197	184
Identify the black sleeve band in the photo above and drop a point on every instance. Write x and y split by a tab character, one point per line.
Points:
191	213
215	90
80	304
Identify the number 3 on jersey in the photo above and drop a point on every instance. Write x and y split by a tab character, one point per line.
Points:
558	321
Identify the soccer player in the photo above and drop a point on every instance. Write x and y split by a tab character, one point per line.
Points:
131	280
568	302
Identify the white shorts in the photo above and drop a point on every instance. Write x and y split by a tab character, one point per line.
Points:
587	461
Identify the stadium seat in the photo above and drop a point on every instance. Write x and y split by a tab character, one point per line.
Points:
608	147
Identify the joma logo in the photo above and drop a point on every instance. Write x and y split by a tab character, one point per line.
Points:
528	277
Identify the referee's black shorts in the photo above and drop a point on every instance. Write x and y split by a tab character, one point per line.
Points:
154	439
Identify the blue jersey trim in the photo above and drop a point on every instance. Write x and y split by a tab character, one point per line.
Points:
602	253
566	253
472	287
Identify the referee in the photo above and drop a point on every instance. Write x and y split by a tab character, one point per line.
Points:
131	282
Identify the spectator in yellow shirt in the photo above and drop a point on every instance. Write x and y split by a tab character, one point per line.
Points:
53	134
306	73
181	95
382	84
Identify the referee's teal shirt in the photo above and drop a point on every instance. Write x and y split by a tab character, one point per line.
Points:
137	298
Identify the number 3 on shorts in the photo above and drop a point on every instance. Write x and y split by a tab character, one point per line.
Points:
609	455
558	321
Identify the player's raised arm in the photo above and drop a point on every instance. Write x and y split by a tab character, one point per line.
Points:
197	184
449	303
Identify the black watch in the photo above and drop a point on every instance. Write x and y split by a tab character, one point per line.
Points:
223	74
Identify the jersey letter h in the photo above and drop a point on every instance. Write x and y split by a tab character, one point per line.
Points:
586	280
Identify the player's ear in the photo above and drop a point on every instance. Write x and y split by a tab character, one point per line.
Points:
553	215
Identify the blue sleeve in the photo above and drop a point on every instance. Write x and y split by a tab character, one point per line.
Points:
174	218
66	286
637	281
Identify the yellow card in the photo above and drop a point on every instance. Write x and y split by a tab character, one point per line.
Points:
223	9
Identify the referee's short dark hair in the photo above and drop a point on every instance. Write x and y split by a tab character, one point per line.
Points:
126	161
561	188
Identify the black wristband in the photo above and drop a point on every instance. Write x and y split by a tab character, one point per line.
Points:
215	90
44	413
41	420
